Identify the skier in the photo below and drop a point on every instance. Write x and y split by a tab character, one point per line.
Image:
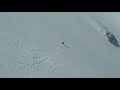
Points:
63	43
112	39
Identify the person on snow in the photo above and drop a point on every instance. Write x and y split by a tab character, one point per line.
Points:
64	44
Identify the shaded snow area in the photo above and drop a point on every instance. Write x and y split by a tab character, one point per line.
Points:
59	44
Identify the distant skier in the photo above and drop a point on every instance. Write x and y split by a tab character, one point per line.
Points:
63	43
112	39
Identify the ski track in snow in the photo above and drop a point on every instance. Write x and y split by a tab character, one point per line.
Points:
99	26
104	29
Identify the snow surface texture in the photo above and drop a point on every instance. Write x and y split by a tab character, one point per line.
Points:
31	44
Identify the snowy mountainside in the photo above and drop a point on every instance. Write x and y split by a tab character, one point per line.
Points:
31	44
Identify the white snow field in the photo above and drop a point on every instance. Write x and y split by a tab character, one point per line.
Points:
31	45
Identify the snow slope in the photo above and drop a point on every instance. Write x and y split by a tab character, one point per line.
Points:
30	44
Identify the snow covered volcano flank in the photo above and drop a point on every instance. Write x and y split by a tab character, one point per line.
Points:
57	44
